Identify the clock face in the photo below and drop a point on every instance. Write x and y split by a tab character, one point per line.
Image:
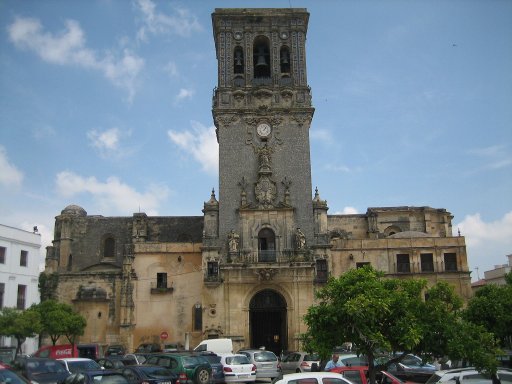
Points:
263	129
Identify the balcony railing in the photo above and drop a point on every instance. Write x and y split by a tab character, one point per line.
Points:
270	256
161	288
262	81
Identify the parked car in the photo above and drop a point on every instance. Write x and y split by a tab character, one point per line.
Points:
359	375
412	368
115	350
79	364
238	368
190	368
42	370
102	376
313	378
172	347
115	363
266	362
299	362
351	359
149	374
139	358
469	375
217	368
148	348
7	375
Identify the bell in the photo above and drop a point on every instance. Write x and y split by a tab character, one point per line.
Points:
261	62
284	58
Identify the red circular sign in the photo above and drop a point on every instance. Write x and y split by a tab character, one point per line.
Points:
164	335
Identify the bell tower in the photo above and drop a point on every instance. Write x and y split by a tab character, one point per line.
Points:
262	111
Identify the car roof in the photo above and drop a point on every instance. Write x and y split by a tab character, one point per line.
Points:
74	359
296	376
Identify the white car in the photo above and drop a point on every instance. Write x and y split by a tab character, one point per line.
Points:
296	362
313	378
469	376
79	364
237	368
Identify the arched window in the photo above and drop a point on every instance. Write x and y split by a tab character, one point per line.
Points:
266	245
284	60
261	58
109	248
238	60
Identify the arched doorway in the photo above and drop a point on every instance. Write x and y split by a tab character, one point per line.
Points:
267	311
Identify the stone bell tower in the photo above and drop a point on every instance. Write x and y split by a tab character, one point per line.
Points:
262	111
263	237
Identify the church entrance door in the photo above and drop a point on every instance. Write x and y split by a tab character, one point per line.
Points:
268	321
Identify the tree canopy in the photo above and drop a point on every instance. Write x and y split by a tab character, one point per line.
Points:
385	314
59	319
491	307
19	324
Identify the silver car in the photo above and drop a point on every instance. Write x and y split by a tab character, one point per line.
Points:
299	362
266	362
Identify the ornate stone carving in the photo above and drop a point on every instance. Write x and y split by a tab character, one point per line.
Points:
286	184
301	118
266	274
265	191
243	193
225	120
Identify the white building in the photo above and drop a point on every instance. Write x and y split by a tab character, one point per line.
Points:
497	275
19	274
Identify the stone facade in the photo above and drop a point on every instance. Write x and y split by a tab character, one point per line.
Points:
248	268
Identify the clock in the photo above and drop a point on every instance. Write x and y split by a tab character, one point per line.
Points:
263	129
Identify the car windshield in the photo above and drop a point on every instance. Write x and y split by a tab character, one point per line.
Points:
38	367
312	357
77	366
212	359
264	356
434	379
7	376
237	360
192	361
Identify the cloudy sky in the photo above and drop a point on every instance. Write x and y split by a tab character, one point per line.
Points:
107	104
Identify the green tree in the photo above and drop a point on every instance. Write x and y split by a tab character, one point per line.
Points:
74	325
59	319
19	324
491	307
383	314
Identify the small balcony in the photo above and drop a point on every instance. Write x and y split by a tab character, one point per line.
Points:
157	288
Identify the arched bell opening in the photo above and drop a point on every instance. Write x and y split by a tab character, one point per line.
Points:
261	58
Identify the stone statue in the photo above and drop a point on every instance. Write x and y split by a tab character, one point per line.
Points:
233	239
300	239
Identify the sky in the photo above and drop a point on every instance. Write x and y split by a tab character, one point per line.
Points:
106	104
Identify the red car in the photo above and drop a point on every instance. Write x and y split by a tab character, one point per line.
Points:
360	375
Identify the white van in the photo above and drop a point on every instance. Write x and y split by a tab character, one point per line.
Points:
215	345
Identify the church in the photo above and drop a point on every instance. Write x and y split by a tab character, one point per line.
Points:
249	267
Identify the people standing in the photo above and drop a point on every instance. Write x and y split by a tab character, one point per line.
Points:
333	363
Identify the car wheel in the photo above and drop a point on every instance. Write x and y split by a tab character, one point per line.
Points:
202	376
298	370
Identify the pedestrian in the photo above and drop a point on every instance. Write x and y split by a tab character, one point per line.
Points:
333	363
